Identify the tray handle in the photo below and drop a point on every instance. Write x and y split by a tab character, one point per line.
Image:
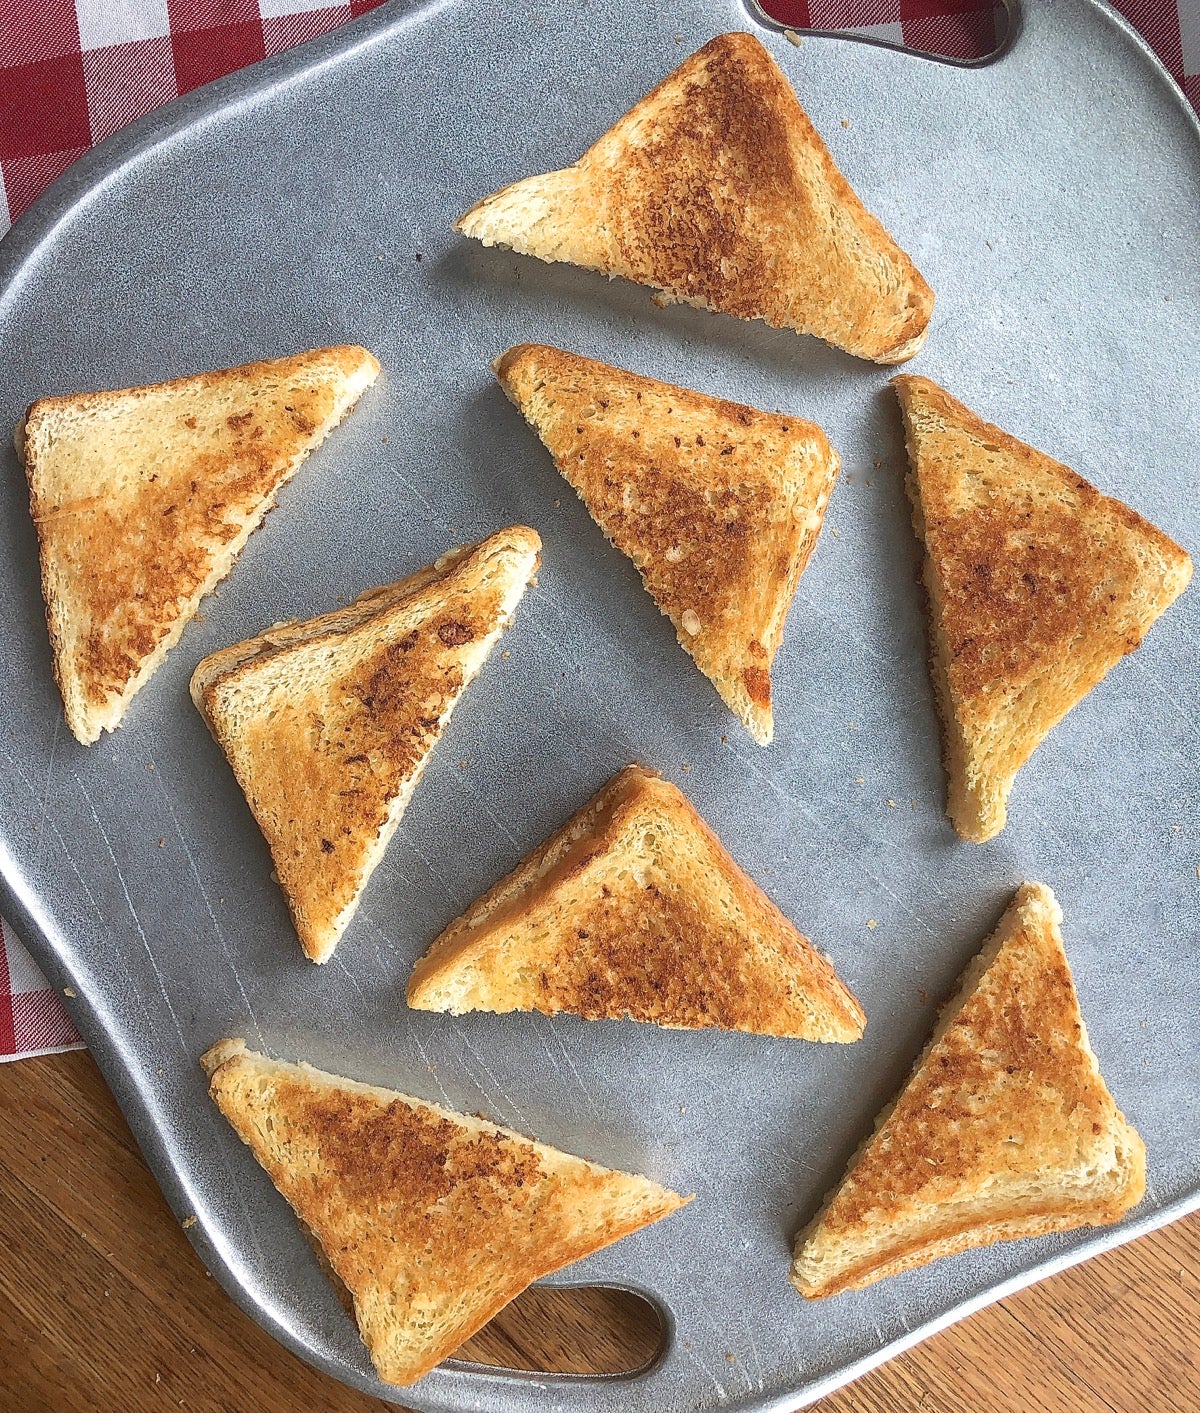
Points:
1016	11
676	1370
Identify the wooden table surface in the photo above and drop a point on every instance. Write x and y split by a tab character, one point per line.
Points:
104	1305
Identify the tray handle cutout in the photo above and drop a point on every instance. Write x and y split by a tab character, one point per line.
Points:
594	1331
986	30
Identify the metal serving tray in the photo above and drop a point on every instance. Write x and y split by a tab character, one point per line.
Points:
1051	196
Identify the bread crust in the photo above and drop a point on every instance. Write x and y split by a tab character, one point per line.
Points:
432	1220
1004	1129
633	909
718	504
1037	583
144	497
328	724
716	190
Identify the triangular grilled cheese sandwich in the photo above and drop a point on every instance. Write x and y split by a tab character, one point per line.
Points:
716	190
432	1220
144	498
717	504
328	724
1037	584
633	909
1004	1129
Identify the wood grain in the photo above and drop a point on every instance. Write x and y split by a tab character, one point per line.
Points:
103	1304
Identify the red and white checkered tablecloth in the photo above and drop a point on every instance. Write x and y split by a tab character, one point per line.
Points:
74	71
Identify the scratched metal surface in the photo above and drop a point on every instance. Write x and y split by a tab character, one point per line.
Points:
1052	198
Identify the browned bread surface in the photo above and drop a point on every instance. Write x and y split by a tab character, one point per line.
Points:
432	1220
1038	584
719	505
1004	1129
634	909
143	498
717	190
328	724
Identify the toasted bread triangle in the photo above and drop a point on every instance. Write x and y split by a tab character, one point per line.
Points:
143	499
1004	1129
328	724
432	1220
718	505
716	190
633	909
1037	586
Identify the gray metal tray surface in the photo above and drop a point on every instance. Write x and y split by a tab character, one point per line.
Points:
1051	196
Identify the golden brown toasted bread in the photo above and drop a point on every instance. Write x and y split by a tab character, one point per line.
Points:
717	190
328	724
634	909
432	1220
719	505
143	499
1004	1129
1037	585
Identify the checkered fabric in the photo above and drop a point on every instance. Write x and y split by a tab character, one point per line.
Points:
74	71
32	1021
